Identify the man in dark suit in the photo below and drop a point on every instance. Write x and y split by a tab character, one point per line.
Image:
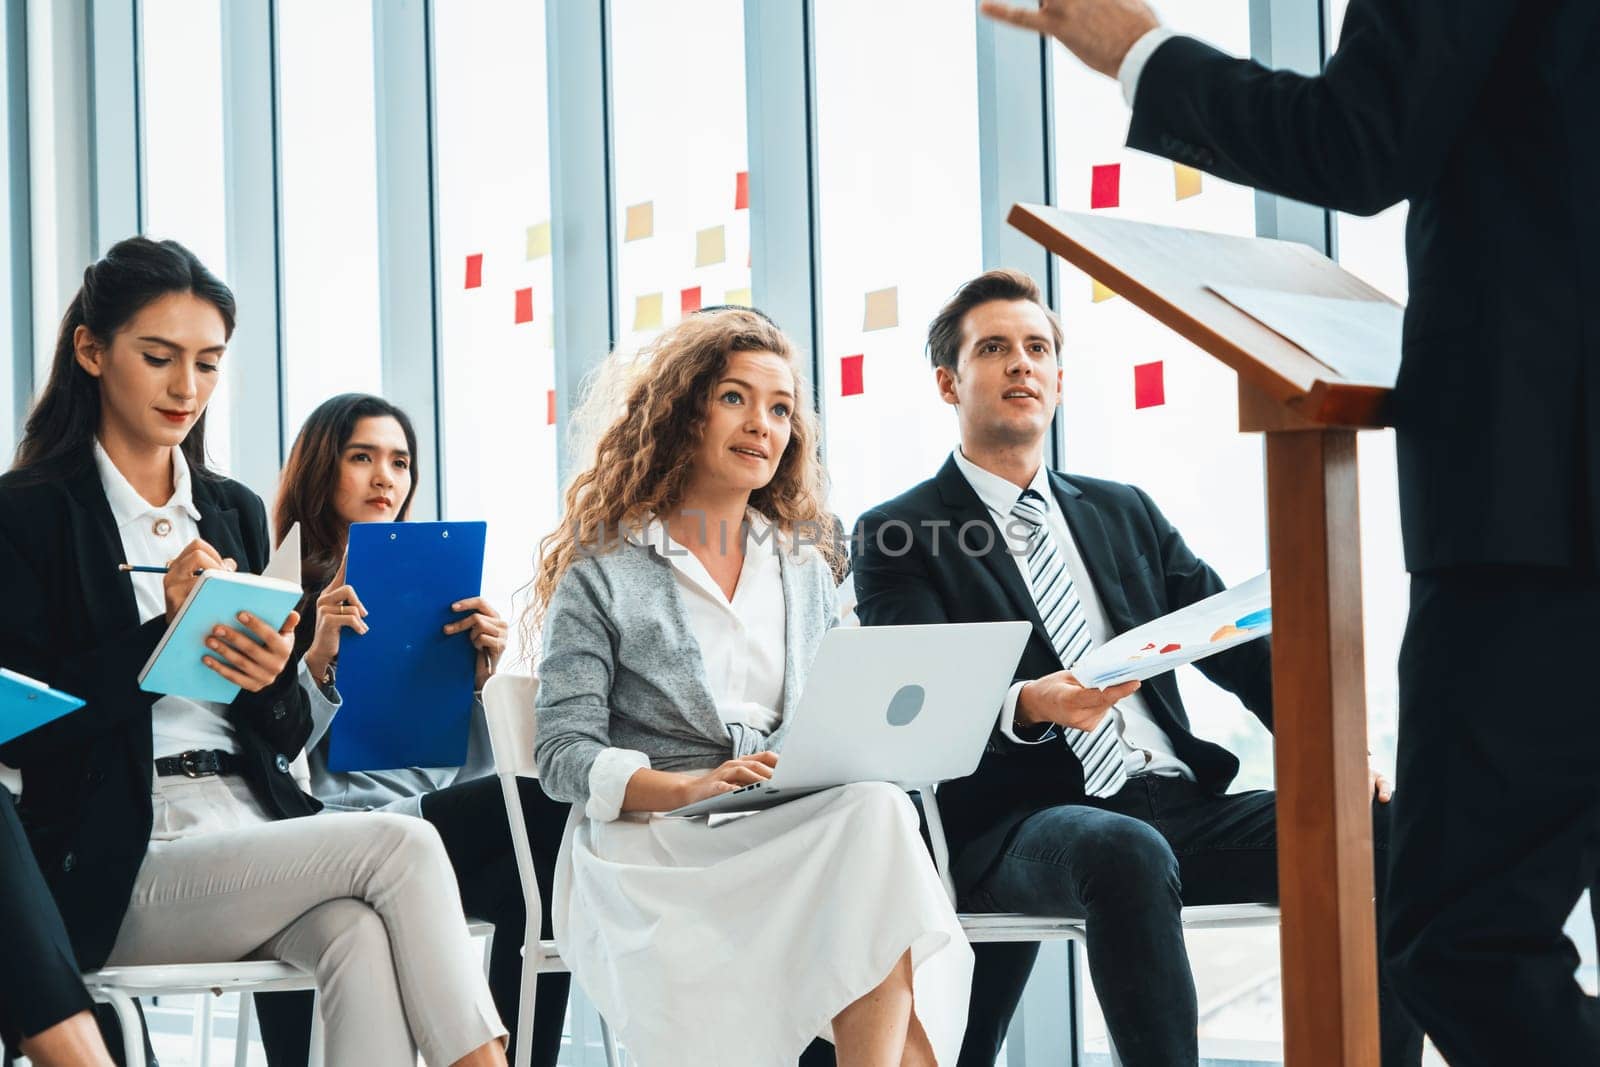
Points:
1481	113
1100	803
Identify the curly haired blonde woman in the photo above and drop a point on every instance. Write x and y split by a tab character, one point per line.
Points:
680	606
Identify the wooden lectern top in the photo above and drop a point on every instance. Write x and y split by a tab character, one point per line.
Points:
1164	271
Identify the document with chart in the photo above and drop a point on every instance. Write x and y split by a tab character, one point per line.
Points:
1212	625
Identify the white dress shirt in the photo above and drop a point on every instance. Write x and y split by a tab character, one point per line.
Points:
742	645
153	535
1133	63
1146	747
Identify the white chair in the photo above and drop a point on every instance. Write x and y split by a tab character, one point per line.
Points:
1008	926
508	706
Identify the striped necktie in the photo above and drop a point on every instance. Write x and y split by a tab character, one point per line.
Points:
1100	749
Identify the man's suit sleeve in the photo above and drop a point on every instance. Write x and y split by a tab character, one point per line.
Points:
1245	671
893	587
1376	127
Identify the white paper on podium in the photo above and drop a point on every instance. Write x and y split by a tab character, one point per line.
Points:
1212	625
1357	339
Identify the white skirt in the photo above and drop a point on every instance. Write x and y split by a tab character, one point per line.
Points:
739	943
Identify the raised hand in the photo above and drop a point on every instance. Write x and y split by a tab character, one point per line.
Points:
1099	32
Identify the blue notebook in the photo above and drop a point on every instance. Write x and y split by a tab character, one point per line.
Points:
406	686
176	667
27	705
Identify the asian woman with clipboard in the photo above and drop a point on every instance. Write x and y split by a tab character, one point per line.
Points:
167	827
355	460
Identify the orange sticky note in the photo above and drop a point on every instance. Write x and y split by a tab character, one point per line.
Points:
475	270
710	246
689	300
741	191
641	221
738	297
524	305
1105	186
850	382
550	406
1149	385
1185	181
539	240
1099	293
883	309
647	312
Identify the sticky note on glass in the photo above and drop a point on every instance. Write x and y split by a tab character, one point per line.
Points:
1099	293
883	309
850	383
1105	186
741	191
1185	181
647	312
539	240
524	305
641	221
550	406
689	300
1149	385
475	271
738	297
710	246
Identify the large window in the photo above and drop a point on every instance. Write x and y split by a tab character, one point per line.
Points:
497	361
184	180
329	188
897	130
682	219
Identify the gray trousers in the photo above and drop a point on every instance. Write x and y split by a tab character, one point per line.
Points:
365	902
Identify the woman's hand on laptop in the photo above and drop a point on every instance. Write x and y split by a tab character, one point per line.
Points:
1058	698
732	775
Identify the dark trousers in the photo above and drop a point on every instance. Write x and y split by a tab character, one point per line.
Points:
39	983
1129	864
471	820
1497	813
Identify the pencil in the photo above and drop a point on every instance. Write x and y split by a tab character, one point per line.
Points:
140	568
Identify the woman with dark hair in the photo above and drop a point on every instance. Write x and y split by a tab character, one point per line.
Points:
681	602
355	460
165	826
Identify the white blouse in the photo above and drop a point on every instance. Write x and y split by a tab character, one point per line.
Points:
742	645
153	535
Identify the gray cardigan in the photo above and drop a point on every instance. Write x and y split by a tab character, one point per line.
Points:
620	667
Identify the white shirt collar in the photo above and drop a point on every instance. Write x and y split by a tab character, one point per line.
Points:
126	503
998	494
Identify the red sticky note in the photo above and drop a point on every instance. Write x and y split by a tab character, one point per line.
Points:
689	300
1149	385
1105	187
524	305
550	404
850	383
475	270
741	191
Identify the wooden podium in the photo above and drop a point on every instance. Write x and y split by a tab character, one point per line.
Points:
1310	416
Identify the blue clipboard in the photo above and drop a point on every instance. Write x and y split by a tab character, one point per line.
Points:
406	686
26	704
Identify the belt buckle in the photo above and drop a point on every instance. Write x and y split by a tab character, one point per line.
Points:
189	764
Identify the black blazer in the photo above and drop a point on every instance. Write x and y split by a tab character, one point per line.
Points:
1482	113
69	619
1140	569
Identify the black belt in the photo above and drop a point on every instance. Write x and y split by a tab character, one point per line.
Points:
199	763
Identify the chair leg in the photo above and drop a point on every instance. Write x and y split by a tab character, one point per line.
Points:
1080	978
316	1058
530	985
609	1041
127	1021
241	1030
202	1030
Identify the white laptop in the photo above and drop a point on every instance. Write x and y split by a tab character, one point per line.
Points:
913	705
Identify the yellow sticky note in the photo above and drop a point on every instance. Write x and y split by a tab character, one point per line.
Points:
1185	181
710	246
741	297
1099	292
641	221
539	240
883	309
647	312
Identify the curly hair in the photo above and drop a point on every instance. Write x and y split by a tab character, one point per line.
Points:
643	454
